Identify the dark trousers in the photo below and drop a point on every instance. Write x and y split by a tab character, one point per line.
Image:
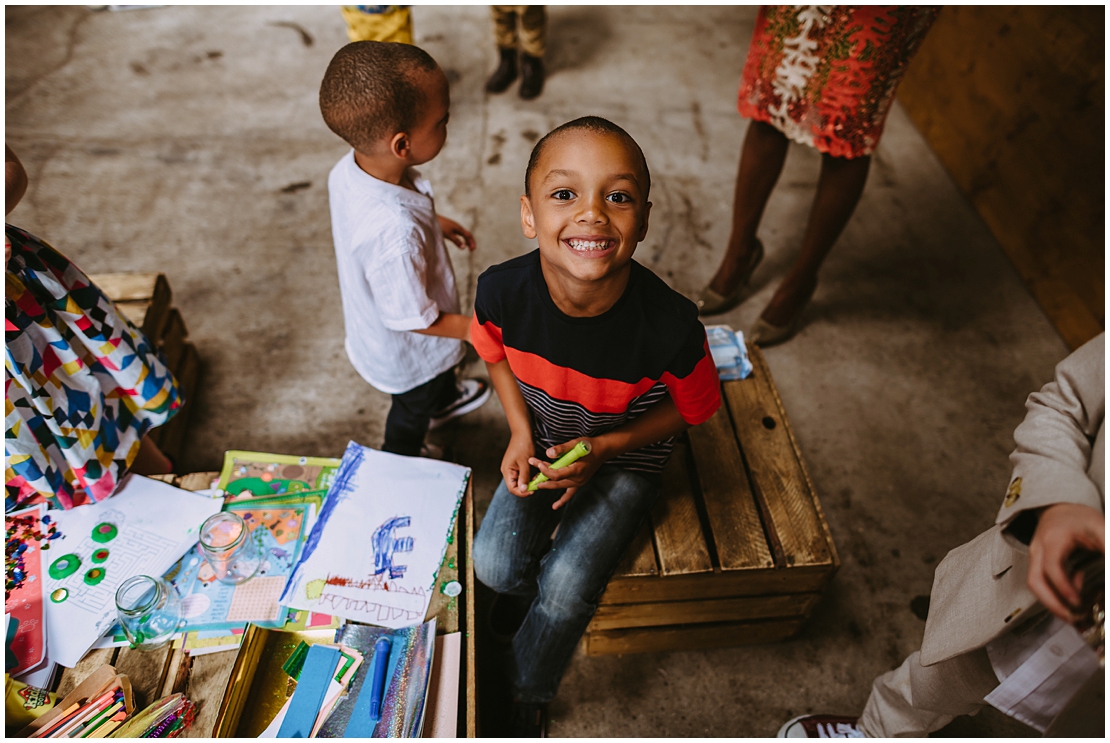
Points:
411	411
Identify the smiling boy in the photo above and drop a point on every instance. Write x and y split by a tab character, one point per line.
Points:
582	344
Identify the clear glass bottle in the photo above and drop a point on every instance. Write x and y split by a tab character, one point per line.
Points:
149	611
229	547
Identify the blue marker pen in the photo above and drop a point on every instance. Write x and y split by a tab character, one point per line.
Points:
382	649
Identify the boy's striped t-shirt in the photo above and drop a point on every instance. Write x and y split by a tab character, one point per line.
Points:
583	376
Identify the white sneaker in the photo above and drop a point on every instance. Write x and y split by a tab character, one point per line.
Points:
473	394
821	726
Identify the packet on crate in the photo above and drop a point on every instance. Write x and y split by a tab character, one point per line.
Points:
730	355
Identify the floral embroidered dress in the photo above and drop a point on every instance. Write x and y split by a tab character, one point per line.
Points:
82	384
825	75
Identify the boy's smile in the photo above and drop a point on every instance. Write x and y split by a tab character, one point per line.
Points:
588	209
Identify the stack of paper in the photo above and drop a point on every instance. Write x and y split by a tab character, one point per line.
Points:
142	530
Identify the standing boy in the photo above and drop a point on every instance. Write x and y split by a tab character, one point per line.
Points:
582	344
405	335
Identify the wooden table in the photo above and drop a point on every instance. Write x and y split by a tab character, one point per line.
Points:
207	679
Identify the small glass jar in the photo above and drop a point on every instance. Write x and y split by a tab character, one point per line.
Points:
149	611
229	547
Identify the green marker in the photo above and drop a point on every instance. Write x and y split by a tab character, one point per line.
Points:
580	450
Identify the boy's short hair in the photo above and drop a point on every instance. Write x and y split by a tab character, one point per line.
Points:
594	124
368	92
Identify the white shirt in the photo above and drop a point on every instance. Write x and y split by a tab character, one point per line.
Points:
394	277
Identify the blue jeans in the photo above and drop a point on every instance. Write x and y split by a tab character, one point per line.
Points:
597	526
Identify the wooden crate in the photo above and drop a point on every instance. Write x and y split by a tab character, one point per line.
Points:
145	299
737	551
215	682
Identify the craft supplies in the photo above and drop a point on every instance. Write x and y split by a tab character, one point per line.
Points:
389	584
581	449
144	528
29	534
248	473
377	676
276	528
95	707
730	354
404	698
149	611
166	718
227	546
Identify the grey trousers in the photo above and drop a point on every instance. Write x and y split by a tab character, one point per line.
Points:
915	700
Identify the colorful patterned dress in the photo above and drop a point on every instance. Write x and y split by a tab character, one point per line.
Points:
825	75
82	384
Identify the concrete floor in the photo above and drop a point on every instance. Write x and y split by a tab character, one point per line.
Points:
172	140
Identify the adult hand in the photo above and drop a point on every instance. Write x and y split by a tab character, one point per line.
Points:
456	233
1061	529
574	475
514	465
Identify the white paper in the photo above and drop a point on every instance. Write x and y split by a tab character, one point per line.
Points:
375	550
156	524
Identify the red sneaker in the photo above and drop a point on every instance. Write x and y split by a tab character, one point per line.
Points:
821	726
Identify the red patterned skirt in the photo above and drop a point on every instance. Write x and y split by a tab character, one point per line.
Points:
825	75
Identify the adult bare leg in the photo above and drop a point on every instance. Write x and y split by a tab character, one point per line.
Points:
838	192
761	161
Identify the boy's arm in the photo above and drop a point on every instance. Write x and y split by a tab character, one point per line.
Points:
514	465
449	325
660	422
456	233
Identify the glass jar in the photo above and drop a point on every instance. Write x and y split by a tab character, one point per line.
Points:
229	547
149	611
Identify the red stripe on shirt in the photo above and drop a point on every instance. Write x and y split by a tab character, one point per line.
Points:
697	395
596	395
486	340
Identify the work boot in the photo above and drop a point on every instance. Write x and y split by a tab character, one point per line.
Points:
531	77
505	73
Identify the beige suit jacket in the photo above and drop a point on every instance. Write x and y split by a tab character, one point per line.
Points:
979	590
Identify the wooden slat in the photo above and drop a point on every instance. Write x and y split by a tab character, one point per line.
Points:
639	558
619	616
733	517
638	590
171	438
691	637
206	687
678	534
471	637
172	341
92	660
775	469
127	287
146	669
197	480
760	362
135	311
152	288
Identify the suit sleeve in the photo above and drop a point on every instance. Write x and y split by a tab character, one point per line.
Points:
692	379
1055	441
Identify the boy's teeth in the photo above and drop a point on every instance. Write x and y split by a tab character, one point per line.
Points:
589	244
